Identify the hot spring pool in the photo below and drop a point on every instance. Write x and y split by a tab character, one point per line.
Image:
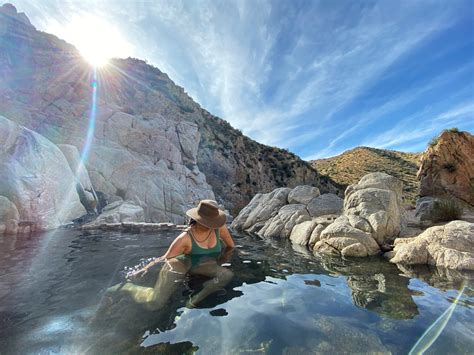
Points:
281	300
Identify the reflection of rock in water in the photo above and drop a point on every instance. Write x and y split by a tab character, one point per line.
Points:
442	278
375	285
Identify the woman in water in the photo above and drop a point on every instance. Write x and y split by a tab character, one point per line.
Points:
194	251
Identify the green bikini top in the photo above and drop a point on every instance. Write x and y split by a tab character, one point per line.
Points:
197	250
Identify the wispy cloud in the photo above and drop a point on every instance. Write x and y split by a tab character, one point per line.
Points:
294	74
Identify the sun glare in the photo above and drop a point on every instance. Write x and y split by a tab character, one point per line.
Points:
96	39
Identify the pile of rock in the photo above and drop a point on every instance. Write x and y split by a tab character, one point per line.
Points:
369	218
372	218
289	213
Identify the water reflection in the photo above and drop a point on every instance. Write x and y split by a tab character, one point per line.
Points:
376	285
280	299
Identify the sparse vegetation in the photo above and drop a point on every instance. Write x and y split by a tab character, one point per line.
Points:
446	210
453	130
349	167
433	142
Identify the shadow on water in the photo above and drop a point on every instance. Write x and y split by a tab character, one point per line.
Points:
281	299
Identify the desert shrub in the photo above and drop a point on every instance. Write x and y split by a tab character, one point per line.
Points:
433	142
453	130
446	210
450	167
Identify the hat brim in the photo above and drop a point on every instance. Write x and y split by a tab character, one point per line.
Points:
215	222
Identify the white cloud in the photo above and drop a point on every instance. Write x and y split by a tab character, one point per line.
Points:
279	72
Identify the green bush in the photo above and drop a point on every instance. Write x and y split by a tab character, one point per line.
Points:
446	210
433	142
453	130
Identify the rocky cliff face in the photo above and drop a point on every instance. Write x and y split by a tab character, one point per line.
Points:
151	143
37	186
447	167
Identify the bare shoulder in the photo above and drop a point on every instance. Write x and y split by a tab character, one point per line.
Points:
224	230
183	238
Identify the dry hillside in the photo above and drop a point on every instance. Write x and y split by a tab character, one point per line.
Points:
348	167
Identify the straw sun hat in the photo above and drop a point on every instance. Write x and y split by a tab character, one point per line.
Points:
208	214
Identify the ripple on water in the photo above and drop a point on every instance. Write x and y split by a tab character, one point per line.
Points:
280	300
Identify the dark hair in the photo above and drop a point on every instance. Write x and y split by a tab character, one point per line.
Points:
192	222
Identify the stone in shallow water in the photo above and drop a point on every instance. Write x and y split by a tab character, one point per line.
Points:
450	246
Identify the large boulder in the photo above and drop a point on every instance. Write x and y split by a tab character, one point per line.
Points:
325	204
301	233
447	167
342	238
450	246
260	209
373	217
303	194
281	225
84	187
36	178
425	208
118	212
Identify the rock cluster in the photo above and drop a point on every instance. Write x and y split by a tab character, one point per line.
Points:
447	167
297	214
373	217
370	217
450	246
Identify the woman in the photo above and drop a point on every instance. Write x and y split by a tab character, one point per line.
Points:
194	251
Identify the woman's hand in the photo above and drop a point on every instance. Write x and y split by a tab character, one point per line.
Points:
138	274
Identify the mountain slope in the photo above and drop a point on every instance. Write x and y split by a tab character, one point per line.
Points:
348	167
152	143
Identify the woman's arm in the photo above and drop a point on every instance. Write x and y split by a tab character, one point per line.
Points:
226	237
179	246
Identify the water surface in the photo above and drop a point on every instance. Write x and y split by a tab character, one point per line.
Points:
282	300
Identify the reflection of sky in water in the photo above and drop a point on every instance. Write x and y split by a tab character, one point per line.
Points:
341	306
266	305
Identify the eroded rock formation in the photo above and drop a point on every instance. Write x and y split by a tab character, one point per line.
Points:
37	186
373	216
447	167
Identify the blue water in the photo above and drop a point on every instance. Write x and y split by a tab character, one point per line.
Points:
281	300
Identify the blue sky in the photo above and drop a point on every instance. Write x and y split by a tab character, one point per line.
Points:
316	77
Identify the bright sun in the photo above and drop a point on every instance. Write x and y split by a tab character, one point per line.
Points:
96	39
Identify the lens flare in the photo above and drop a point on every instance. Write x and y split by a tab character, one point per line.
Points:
435	330
92	117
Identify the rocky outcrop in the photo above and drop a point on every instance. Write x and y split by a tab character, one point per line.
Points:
151	143
289	213
447	167
84	187
120	211
37	186
450	246
373	216
9	216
